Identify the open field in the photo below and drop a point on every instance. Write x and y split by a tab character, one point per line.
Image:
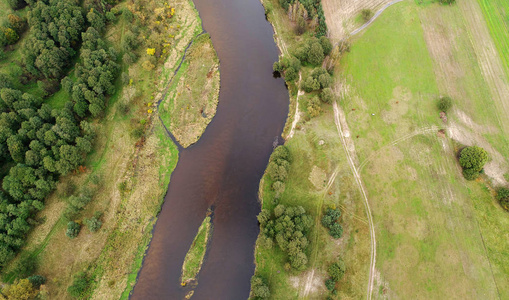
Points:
194	257
496	14
305	188
434	236
193	95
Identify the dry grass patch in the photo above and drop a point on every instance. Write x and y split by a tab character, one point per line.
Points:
193	96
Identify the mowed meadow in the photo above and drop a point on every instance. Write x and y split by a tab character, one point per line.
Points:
438	235
496	13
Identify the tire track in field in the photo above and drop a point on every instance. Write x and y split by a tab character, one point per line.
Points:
358	180
422	130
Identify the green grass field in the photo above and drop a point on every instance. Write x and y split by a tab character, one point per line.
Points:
437	235
353	247
496	13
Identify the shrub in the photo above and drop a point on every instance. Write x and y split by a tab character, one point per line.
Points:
25	266
330	284
19	290
325	80
279	188
444	104
313	107
301	25
310	84
37	280
472	160
326	45
330	221
366	14
327	95
336	230
337	270
93	224
259	288
503	197
447	1
79	285
315	55
73	229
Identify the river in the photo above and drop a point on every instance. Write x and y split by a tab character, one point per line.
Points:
224	167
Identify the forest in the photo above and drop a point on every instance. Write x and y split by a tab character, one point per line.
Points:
38	142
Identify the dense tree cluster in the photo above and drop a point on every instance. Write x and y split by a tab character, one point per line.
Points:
55	29
330	221
94	74
17	4
317	80
314	50
313	10
279	165
288	66
288	228
472	160
41	143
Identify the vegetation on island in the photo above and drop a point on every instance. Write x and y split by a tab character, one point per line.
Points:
196	253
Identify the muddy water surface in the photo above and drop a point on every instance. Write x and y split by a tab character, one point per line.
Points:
224	168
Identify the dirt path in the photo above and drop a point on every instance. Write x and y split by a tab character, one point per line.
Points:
377	14
358	180
296	116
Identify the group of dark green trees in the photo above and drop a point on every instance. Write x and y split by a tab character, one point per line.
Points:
279	165
38	143
330	221
288	227
313	9
311	53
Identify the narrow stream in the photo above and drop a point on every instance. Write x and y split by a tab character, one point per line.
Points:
224	168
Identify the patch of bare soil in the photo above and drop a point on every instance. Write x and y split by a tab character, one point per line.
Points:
317	177
310	284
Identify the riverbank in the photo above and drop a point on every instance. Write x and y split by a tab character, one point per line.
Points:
131	163
319	178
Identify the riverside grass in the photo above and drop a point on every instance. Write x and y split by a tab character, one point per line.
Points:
196	254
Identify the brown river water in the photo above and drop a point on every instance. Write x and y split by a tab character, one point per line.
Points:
224	168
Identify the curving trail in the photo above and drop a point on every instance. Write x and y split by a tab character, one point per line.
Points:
377	14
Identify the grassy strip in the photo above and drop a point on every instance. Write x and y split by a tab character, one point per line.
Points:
196	254
496	13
